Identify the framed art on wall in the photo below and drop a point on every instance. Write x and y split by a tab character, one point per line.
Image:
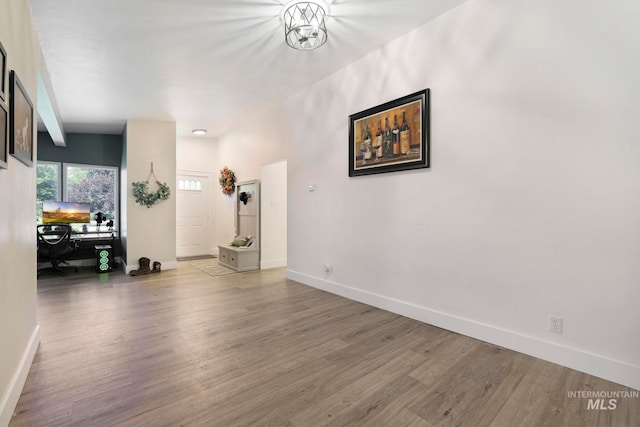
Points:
21	129
390	137
3	73
4	142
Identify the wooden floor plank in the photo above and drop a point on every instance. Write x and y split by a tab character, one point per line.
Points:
187	348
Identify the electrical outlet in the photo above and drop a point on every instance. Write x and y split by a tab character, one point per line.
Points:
555	324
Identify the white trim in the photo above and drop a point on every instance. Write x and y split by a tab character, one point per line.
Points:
129	268
594	364
169	265
264	265
211	215
193	172
10	399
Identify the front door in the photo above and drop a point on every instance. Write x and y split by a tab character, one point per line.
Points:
193	215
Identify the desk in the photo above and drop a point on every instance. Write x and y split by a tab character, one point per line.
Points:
94	235
86	241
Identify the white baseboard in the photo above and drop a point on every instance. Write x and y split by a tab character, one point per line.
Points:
12	394
169	265
594	364
264	265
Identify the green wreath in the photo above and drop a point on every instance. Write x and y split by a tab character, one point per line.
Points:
145	198
141	191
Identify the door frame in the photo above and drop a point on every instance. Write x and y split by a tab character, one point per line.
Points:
210	205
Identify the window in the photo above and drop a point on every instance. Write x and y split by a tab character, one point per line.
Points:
97	185
47	184
188	185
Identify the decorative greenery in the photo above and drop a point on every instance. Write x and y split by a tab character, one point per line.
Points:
227	181
144	198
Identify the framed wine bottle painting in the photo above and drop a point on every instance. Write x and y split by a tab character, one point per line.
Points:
391	137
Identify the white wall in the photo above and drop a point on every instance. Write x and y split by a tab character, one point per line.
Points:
18	327
273	215
532	202
196	154
151	232
258	142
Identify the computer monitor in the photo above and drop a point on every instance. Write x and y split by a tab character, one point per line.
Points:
65	212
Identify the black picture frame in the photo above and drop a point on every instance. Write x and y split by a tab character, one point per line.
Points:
21	121
4	134
3	73
370	153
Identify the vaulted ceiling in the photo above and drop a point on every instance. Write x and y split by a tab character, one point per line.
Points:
201	63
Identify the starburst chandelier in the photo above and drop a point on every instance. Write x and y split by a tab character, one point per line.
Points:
304	24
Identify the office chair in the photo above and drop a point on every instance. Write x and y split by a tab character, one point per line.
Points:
55	245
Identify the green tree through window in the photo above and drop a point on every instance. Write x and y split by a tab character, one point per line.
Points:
47	185
95	185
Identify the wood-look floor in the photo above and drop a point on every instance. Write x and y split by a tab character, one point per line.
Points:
185	348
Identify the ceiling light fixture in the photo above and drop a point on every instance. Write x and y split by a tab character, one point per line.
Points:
304	24
199	131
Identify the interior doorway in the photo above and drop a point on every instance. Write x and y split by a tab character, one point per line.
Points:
273	211
193	214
